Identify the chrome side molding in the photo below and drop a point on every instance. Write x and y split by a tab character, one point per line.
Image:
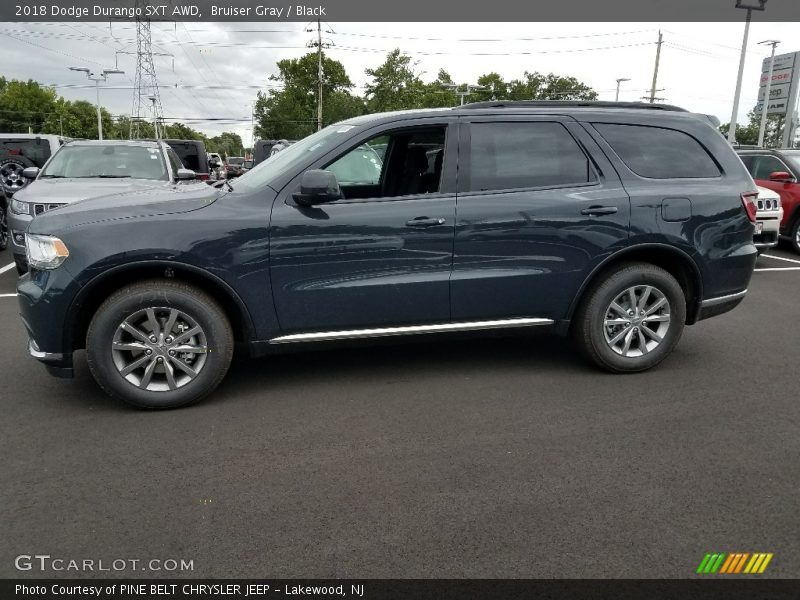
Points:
352	334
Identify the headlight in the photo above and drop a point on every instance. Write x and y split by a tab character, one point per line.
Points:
45	251
19	207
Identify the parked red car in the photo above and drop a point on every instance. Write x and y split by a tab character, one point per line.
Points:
779	170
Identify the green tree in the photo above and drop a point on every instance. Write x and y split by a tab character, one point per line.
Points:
25	105
439	92
394	85
226	144
747	134
291	112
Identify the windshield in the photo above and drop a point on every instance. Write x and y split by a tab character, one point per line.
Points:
235	160
112	161
294	155
793	156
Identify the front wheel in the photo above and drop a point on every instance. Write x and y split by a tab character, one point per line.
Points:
159	344
795	235
632	319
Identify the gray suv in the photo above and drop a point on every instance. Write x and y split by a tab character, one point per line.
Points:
616	223
89	169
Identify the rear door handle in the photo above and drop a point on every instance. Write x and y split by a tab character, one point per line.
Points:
596	211
425	222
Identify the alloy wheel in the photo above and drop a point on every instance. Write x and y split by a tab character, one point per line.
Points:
159	349
636	321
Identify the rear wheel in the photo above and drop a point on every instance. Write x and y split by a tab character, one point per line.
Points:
11	169
632	319
159	344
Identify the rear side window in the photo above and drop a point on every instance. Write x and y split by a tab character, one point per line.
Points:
35	151
658	153
507	156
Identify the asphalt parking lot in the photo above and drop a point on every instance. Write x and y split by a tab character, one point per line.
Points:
481	459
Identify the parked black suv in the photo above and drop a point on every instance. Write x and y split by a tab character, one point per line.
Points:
618	223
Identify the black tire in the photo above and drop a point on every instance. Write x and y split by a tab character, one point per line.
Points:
3	227
794	235
11	178
590	332
160	295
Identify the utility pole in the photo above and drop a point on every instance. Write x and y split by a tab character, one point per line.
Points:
735	113
319	45
765	107
655	70
619	81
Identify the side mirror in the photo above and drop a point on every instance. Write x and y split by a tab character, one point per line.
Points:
317	187
185	174
777	177
30	172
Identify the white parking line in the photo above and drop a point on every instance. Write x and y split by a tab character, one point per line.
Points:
6	268
8	295
791	260
779	269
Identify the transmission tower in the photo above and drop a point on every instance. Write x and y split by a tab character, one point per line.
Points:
146	98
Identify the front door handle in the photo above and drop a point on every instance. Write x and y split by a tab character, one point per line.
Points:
425	222
596	211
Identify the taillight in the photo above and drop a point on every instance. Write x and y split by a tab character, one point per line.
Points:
749	202
202	176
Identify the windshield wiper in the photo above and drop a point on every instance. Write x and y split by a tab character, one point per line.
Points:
53	177
228	183
111	176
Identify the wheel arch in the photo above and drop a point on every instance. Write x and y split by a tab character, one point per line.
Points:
673	260
98	289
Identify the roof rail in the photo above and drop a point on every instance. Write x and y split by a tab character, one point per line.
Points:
571	103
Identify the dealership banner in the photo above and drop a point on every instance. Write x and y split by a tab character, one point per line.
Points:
406	11
721	588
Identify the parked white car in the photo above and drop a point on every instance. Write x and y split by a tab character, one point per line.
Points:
768	219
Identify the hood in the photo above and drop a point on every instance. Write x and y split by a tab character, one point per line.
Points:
64	191
147	202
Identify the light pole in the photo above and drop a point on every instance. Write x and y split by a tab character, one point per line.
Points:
765	107
749	8
155	116
620	80
97	79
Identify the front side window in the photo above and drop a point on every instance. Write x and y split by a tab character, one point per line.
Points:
658	153
763	166
111	161
507	156
403	163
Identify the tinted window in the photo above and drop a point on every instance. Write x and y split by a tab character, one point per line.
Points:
763	166
35	150
658	153
507	156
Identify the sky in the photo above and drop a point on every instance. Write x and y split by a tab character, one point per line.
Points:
209	73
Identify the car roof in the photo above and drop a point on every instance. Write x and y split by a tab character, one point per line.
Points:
776	151
30	136
635	110
142	143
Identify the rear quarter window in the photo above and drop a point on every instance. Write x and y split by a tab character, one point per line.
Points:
658	153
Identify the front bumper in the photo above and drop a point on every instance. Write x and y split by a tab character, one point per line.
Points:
58	365
44	301
770	229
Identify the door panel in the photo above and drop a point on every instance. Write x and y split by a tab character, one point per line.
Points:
364	262
526	252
